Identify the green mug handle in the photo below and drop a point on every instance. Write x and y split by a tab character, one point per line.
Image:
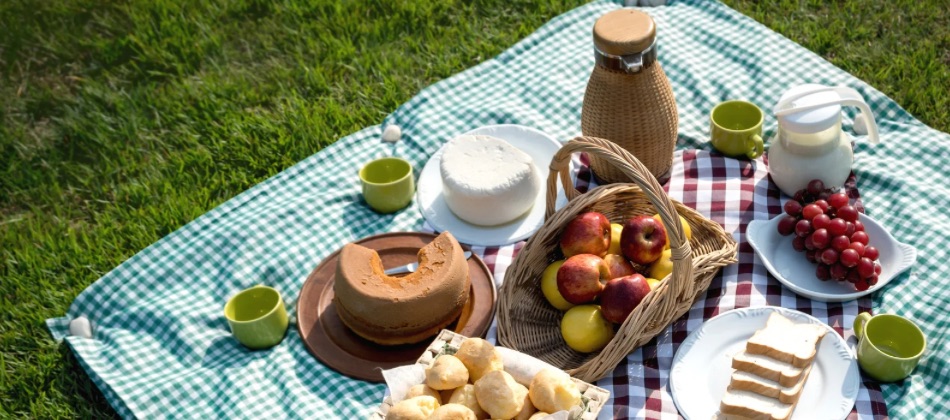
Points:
859	323
755	146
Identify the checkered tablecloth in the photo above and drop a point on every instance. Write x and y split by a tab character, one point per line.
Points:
161	346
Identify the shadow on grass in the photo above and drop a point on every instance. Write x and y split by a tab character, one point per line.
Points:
77	390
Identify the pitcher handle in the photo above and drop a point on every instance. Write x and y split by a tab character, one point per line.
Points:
848	97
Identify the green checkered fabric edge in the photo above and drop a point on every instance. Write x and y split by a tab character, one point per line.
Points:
161	346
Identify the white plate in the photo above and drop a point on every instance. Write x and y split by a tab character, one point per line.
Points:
703	365
794	271
539	145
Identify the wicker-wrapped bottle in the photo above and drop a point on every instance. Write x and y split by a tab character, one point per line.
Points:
629	100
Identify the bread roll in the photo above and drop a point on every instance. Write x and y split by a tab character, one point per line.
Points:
452	412
465	395
526	410
416	408
446	372
499	394
480	357
553	391
422	389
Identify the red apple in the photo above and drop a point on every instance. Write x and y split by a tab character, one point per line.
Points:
642	239
581	278
619	266
621	296
588	233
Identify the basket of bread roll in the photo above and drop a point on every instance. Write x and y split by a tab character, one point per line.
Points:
458	377
609	271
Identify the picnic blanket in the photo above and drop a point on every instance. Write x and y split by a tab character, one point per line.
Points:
161	346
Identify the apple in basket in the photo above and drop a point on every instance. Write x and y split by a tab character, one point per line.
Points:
581	278
587	233
621	296
643	239
619	266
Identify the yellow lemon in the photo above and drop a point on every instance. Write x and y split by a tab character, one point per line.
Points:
585	330
549	287
663	266
688	231
615	230
653	283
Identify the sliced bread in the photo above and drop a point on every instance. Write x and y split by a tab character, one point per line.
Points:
771	372
753	406
786	394
786	341
766	367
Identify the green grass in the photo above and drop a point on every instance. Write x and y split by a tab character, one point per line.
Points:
122	121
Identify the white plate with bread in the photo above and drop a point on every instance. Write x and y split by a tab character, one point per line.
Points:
431	196
768	361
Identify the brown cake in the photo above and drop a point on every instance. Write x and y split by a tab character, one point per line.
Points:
401	310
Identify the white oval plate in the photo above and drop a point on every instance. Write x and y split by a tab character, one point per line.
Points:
703	365
794	271
539	145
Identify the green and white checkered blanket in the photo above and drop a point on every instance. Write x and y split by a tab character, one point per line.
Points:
161	346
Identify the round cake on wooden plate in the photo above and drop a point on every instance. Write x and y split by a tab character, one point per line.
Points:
401	310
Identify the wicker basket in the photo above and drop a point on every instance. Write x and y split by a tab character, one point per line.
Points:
593	398
528	323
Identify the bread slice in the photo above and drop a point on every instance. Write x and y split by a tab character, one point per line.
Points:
746	381
752	406
771	373
768	368
783	340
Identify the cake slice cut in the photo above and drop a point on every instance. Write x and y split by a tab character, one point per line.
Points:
742	380
752	406
786	341
768	368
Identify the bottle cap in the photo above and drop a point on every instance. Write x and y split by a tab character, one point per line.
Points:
624	32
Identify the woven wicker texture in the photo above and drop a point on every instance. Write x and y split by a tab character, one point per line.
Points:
528	323
636	111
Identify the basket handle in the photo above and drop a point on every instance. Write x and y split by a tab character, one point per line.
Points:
610	152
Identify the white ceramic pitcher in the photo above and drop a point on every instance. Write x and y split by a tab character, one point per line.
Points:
810	143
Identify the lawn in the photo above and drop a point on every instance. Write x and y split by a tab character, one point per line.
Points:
122	121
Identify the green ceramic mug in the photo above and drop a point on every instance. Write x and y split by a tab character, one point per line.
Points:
736	129
257	317
889	346
388	184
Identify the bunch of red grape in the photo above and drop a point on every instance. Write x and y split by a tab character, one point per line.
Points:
827	230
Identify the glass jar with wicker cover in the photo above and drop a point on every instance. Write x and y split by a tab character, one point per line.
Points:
528	323
629	100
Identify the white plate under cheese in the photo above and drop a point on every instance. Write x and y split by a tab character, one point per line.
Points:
487	181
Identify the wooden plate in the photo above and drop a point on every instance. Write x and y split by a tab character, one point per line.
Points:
330	341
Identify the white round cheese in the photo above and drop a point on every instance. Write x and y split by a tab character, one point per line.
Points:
487	181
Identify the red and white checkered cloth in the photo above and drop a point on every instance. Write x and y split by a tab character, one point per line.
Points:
731	192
